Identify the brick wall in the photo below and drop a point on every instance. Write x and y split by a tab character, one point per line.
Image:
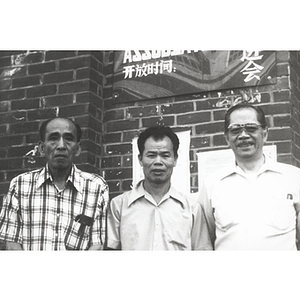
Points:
37	85
199	114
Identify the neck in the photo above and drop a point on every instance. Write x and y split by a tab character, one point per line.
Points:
157	190
251	166
60	176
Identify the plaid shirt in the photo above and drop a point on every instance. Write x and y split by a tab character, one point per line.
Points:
38	216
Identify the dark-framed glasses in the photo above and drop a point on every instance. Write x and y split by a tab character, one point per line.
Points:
236	128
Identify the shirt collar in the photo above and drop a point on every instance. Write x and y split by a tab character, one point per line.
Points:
74	177
268	165
139	192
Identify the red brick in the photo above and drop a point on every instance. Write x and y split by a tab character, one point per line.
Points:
58	100
282	70
25	104
219	140
95	124
282	56
122	125
111	162
283	147
58	77
192	118
118	174
75	63
73	110
163	120
279	134
13	117
129	135
25	81
41	68
200	142
117	114
55	55
24	127
89	97
274	109
5	62
11	140
282	121
28	58
11	164
4	106
119	149
11	95
5	84
210	128
74	87
112	138
44	90
18	151
41	114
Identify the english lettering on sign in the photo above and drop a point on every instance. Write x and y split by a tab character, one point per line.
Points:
137	55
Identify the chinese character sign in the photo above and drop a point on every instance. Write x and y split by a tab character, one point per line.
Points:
148	74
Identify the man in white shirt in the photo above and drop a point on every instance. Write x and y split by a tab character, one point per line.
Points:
254	204
153	215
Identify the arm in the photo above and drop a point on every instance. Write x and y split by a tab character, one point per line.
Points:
113	241
297	208
205	202
10	218
99	226
200	235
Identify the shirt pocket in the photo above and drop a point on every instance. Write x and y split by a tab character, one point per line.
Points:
77	239
226	216
179	234
281	215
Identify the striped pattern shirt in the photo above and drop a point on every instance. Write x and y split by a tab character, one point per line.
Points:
38	216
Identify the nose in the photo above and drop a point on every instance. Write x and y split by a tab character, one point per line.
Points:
61	143
158	160
243	134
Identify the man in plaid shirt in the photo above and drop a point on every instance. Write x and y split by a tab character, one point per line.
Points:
57	207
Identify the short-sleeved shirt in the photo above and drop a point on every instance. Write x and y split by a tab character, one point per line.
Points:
38	216
252	212
136	222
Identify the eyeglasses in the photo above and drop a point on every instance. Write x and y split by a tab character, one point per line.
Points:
238	128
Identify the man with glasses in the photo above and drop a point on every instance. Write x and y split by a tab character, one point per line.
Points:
253	204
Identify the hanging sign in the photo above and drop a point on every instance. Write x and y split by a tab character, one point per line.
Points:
149	74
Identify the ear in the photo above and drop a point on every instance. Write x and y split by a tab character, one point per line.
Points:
41	148
175	161
78	149
140	160
265	133
226	138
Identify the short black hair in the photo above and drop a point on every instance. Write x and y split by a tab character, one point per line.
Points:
45	123
259	113
158	133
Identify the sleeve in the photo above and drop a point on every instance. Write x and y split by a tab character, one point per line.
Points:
99	226
10	216
113	224
200	235
205	202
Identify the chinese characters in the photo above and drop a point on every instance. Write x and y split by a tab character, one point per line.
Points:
141	70
252	69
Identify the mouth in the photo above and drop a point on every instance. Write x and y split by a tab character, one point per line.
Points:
158	171
245	144
60	156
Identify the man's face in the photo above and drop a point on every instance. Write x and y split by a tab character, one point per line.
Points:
246	145
158	160
60	145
